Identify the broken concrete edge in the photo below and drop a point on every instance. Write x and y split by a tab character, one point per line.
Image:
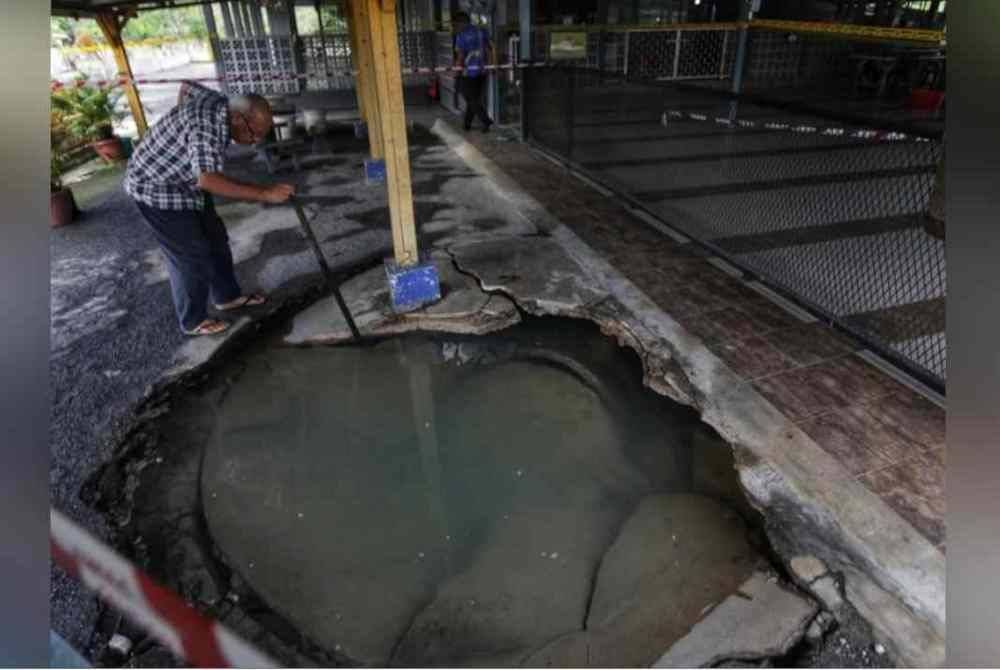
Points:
851	527
745	626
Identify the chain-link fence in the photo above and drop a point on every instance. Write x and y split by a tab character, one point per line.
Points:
832	214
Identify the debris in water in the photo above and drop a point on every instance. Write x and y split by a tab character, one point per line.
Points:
301	515
336	647
420	555
554	555
447	537
519	472
544	555
879	649
427	424
251	565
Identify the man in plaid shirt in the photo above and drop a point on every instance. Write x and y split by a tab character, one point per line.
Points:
172	177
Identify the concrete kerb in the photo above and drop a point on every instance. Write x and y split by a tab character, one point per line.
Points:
895	577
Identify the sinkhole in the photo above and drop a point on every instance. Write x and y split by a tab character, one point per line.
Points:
518	498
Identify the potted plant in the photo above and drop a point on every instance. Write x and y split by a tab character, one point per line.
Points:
62	204
89	113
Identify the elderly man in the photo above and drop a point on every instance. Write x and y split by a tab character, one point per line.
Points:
172	176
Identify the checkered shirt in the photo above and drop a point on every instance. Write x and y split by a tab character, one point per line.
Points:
190	140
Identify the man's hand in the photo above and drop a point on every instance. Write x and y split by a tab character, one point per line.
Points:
278	193
219	184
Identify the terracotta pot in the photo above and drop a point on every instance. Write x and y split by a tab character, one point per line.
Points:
62	208
110	150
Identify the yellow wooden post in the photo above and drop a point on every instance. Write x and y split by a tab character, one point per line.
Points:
112	26
392	119
365	65
352	33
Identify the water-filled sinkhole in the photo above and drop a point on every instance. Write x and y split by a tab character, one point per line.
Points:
436	500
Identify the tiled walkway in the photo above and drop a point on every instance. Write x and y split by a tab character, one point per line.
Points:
886	435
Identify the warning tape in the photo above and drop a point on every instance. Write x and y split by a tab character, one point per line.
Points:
187	633
802	129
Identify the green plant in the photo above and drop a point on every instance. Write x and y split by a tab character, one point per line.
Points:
56	165
88	112
57	140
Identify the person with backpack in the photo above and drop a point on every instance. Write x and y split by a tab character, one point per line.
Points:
473	50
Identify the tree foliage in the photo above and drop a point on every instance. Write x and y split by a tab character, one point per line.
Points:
180	22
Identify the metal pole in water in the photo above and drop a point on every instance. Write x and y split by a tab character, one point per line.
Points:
425	424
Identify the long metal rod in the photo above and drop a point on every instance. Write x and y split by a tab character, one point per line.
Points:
324	267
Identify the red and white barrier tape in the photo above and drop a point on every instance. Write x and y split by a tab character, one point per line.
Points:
187	633
803	129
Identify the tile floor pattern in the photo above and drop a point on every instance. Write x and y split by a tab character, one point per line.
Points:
886	435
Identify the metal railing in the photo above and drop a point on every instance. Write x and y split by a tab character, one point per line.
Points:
830	213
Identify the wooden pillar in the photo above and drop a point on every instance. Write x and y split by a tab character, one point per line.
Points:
352	35
112	26
365	65
392	119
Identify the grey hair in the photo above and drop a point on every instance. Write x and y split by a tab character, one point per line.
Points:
240	103
244	103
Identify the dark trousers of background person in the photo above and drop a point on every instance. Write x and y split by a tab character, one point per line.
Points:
199	262
472	90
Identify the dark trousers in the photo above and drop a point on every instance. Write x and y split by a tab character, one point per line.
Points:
199	262
472	90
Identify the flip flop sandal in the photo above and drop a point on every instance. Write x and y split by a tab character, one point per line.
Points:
250	300
209	327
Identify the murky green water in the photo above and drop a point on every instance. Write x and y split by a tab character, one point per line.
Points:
433	501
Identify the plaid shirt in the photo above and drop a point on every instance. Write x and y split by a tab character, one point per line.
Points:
190	140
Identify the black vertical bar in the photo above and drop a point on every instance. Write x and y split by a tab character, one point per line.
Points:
526	54
570	112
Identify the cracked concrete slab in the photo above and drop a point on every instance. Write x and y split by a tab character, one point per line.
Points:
536	272
463	309
762	620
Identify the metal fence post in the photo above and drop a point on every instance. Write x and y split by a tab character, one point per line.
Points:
722	61
526	52
570	116
741	48
677	55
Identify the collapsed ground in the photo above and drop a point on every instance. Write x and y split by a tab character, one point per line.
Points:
363	233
